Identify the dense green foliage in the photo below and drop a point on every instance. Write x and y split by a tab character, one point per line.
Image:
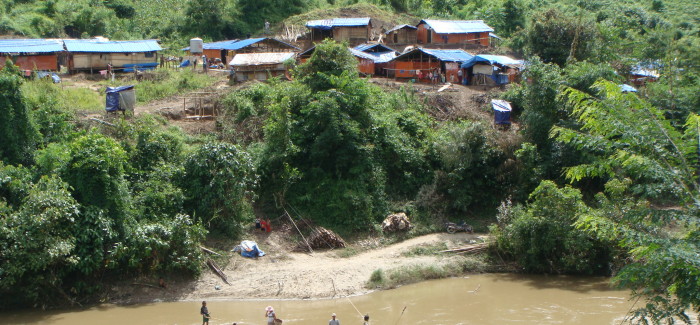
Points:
604	182
18	133
90	204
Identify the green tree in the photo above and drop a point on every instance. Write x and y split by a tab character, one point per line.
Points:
219	182
557	37
18	133
95	171
469	166
651	164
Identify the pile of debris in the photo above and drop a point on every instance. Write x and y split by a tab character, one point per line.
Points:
322	238
396	222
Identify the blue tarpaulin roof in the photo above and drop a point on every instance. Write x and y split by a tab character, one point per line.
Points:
401	26
361	54
30	46
374	48
627	88
234	45
99	46
491	59
337	22
457	26
501	110
442	55
112	98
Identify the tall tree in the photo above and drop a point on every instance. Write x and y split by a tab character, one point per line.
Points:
18	133
652	204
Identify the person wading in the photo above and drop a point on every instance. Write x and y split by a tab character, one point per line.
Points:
205	313
270	314
333	320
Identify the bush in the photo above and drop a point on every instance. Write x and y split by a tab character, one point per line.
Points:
542	237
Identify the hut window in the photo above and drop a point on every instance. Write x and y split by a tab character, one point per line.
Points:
149	54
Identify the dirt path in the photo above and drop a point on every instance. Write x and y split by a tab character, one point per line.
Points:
282	274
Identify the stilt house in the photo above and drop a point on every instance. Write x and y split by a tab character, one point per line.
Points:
126	56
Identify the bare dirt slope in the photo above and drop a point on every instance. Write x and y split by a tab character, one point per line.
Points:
283	274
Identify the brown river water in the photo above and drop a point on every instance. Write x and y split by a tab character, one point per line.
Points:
482	299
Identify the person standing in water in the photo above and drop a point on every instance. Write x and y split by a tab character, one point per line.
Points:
270	314
333	320
205	313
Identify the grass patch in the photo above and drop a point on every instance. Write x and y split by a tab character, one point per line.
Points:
381	279
347	252
163	83
425	250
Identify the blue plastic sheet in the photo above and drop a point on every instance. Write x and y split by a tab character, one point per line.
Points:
112	101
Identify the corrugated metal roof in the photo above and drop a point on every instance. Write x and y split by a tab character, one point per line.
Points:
95	46
30	46
260	58
337	22
401	26
457	26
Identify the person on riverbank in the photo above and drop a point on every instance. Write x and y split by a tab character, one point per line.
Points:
366	320
204	311
333	320
270	314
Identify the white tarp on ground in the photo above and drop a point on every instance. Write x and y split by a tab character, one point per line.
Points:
244	59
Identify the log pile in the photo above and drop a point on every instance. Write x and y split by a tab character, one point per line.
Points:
396	222
323	238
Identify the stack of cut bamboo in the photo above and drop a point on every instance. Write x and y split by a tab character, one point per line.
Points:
324	238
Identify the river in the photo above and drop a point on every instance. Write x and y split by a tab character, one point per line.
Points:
484	299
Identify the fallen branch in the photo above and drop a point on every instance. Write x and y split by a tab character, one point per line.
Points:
218	271
209	251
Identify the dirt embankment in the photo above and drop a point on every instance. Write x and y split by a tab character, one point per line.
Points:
285	274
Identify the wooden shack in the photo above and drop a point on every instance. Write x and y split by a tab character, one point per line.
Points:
31	54
353	30
260	66
226	50
94	55
418	63
381	54
402	35
463	32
